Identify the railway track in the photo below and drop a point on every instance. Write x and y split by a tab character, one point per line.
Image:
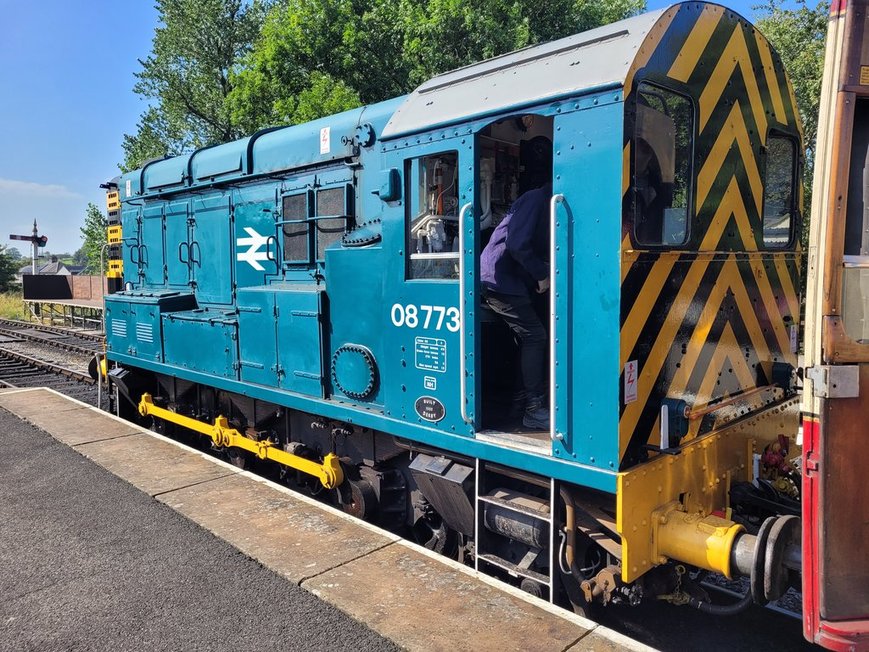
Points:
92	336
85	342
33	355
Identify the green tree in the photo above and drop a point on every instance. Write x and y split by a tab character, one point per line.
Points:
80	257
188	76
93	234
343	53
313	49
8	268
798	35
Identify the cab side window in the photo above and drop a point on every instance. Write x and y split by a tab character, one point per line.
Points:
778	192
432	216
662	173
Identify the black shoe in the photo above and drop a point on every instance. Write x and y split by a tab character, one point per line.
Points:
536	415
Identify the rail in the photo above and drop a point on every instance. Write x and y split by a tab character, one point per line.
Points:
51	329
66	346
48	366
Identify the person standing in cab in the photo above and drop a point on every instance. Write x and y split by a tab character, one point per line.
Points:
514	268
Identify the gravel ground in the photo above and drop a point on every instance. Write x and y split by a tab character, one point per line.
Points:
68	359
87	562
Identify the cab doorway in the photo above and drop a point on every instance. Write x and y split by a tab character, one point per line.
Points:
514	164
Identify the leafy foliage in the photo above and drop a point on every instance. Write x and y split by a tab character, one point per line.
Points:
187	76
13	253
9	265
350	52
94	235
80	257
220	69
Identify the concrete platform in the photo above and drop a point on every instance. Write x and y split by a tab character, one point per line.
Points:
417	599
90	563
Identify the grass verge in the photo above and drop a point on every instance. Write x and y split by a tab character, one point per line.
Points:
11	305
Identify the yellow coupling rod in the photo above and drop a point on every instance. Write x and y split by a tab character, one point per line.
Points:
329	472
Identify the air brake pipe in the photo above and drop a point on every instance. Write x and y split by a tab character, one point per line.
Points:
328	472
570	526
722	609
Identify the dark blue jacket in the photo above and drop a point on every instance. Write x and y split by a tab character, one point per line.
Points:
517	254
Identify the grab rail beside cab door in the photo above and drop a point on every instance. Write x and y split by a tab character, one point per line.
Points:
558	293
469	288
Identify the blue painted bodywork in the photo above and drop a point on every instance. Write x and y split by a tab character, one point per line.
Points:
208	228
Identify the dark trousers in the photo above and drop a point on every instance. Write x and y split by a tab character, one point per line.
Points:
519	313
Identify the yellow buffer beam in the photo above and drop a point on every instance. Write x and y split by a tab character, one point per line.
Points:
328	471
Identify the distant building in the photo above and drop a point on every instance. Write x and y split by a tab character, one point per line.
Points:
52	268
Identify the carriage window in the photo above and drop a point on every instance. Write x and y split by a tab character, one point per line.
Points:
778	192
662	150
295	228
855	275
432	216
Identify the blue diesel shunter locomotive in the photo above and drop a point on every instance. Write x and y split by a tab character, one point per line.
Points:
309	298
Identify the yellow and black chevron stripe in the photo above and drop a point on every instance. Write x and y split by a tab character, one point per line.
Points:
708	320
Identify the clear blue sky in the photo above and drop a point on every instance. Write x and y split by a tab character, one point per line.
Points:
66	79
66	74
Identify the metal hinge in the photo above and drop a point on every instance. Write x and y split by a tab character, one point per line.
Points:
835	381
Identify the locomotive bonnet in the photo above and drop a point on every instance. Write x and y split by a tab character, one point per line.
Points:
309	296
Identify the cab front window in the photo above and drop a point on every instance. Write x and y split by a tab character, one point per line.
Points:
662	151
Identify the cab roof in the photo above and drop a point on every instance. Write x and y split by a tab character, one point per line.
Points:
597	59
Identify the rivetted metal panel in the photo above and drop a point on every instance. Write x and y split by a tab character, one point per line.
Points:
305	144
594	59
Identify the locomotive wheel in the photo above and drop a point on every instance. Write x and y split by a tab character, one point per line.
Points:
536	589
237	458
430	532
358	499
